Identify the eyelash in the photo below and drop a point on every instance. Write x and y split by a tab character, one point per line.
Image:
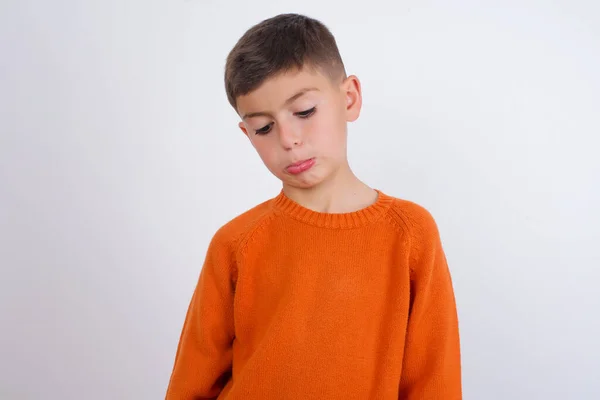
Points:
302	114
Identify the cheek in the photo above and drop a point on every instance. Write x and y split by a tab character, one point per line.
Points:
266	152
329	134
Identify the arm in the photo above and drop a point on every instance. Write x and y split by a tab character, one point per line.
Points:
204	355
431	365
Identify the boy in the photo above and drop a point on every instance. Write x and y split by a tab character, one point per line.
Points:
330	290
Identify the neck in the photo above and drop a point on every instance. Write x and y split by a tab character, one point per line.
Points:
343	193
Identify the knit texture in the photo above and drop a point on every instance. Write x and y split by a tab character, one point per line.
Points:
296	304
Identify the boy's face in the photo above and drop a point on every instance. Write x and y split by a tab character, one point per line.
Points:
297	122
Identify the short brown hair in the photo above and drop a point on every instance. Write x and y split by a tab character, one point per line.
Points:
276	45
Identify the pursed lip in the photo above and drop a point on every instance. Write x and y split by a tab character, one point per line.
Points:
297	163
300	166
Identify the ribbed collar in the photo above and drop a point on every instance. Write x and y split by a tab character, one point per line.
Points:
353	219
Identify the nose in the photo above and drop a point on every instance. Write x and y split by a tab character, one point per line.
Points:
289	136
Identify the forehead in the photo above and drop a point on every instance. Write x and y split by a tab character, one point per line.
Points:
274	92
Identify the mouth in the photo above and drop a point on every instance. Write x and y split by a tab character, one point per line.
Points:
300	166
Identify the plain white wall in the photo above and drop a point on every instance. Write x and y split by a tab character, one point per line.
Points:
120	157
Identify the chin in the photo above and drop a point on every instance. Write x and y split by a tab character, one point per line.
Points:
301	185
303	181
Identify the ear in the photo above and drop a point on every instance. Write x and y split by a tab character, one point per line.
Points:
353	96
243	128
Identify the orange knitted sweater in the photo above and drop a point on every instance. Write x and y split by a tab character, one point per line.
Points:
296	304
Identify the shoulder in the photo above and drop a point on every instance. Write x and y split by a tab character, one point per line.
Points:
236	231
421	229
414	219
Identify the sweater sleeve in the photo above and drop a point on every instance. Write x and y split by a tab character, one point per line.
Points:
204	354
431	365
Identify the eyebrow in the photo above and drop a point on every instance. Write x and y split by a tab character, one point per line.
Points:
287	102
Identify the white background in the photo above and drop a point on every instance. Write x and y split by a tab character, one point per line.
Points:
120	157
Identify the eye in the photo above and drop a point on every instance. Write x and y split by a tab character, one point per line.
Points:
307	113
264	130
